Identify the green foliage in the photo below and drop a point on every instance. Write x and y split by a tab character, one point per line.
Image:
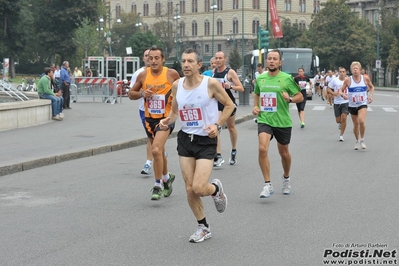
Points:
85	38
393	58
121	33
141	41
389	32
291	33
235	59
340	37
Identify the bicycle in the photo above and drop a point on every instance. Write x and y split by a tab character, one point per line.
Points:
29	86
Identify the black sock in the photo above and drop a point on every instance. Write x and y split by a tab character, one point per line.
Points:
267	182
203	221
233	150
286	177
216	191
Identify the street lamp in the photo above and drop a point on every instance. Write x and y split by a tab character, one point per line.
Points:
99	29
213	7
177	18
138	24
108	35
231	38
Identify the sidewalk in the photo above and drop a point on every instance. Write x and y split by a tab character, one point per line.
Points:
89	128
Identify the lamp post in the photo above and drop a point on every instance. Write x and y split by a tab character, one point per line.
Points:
213	7
99	29
378	52
177	18
242	44
139	24
231	38
109	40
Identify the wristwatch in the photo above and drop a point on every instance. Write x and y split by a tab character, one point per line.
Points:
219	127
290	99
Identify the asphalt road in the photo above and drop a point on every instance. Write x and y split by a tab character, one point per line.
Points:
97	210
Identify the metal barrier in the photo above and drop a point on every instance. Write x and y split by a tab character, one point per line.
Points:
94	87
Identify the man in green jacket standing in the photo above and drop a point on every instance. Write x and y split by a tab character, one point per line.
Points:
45	92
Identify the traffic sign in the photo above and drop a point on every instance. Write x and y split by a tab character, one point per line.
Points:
377	63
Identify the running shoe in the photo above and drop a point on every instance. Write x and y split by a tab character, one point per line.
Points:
286	186
219	161
341	138
201	233
167	186
146	169
220	198
357	145
156	193
302	124
233	158
267	190
363	145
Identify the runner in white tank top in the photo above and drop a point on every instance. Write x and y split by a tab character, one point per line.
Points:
360	93
194	102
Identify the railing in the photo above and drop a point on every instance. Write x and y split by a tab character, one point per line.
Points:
94	87
13	93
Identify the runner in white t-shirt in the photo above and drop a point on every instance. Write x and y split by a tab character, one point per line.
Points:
329	77
340	104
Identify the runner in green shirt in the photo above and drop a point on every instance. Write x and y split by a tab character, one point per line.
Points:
273	93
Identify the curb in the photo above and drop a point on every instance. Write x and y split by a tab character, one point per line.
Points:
28	165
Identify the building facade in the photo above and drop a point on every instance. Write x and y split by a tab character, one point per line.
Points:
214	25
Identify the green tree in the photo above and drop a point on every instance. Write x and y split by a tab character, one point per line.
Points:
122	32
234	59
141	41
389	31
15	16
57	20
85	37
393	58
291	35
163	29
340	37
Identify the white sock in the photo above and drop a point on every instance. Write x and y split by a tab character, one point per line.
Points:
165	178
148	162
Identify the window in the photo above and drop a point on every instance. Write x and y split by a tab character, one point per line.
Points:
302	25
145	28
134	9
316	6
118	11
207	5
182	29
302	6
170	8
194	28
235	25
158	8
255	26
256	4
207	27
219	47
194	6
206	48
182	7
219	27
219	3
287	5
145	10
235	4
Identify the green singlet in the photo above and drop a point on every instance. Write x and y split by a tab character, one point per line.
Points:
274	109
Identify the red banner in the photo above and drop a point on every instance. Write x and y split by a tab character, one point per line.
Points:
277	30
